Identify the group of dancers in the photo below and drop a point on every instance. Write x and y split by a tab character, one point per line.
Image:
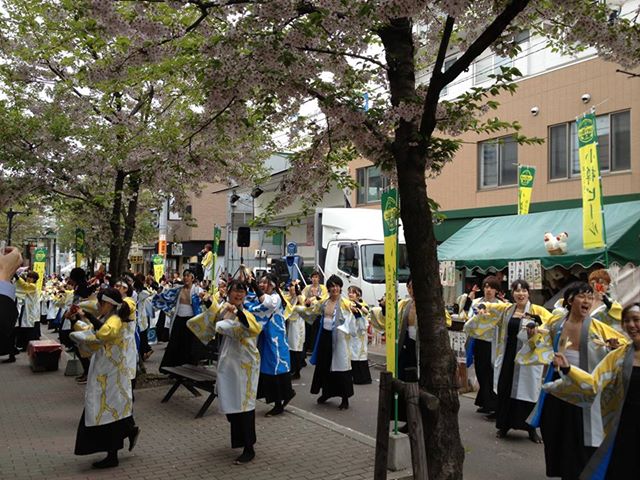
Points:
574	372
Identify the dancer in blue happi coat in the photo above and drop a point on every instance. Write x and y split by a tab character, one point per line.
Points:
268	307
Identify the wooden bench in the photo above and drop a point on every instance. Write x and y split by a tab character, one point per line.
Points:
193	377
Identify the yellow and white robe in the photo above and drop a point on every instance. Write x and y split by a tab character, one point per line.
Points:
29	295
295	323
539	350
239	360
360	341
527	379
108	395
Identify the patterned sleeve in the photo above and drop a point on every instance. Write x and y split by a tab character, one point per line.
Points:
110	330
237	330
581	388
482	325
203	325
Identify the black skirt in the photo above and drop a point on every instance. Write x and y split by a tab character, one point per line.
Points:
360	372
102	438
184	347
332	384
486	397
275	388
563	435
243	429
624	458
511	413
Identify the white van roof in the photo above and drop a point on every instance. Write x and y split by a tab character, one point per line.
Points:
353	224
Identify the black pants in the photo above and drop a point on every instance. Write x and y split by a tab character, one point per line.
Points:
243	429
486	397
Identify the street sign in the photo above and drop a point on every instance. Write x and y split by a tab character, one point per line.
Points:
136	259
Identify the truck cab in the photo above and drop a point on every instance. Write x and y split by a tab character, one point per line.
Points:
350	244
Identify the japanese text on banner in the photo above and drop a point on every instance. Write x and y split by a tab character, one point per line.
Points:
390	213
526	175
592	224
39	265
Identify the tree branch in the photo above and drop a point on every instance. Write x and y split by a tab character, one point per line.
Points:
346	54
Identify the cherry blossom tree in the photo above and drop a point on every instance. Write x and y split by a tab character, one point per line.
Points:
87	125
263	64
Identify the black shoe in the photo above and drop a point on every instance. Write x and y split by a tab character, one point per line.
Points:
295	376
534	437
248	454
322	399
277	410
11	359
491	417
344	405
502	433
291	395
133	437
108	462
483	410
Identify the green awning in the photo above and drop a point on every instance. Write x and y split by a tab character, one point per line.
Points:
486	243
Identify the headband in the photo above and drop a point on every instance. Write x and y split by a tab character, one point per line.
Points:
110	300
634	308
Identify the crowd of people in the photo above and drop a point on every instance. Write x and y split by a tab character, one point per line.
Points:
256	330
567	372
572	372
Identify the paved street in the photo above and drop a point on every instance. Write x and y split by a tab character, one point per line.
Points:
40	413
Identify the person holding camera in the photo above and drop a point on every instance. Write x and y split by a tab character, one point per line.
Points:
10	261
518	386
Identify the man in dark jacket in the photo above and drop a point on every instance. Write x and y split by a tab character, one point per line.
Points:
10	261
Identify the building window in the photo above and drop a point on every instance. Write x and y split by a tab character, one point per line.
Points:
614	146
498	159
371	184
489	65
447	65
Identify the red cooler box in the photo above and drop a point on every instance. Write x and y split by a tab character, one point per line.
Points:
44	355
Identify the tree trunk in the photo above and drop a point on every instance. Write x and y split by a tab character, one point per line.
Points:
115	242
445	455
130	220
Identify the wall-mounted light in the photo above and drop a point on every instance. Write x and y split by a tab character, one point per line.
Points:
256	192
585	97
535	111
234	198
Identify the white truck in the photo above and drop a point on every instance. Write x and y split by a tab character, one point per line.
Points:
350	244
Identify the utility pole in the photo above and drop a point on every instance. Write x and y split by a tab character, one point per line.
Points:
10	214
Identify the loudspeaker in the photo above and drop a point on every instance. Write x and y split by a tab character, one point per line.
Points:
244	236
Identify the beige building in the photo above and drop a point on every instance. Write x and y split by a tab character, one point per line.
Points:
482	179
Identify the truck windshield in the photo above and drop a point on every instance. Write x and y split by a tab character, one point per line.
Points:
373	263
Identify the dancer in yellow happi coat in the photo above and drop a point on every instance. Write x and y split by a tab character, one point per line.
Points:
238	364
616	380
570	433
517	386
107	417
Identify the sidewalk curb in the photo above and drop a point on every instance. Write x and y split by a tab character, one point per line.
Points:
347	432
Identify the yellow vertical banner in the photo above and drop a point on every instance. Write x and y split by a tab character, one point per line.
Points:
592	221
39	265
390	214
526	175
158	267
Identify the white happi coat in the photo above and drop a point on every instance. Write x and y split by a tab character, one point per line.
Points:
108	395
144	309
527	379
344	327
30	298
360	341
295	323
239	359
